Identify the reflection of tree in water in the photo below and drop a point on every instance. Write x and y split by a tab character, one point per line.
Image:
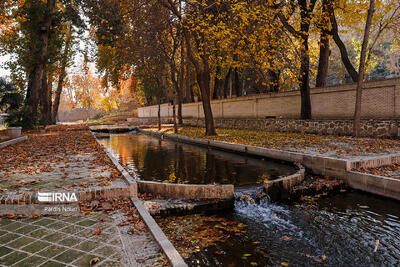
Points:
163	160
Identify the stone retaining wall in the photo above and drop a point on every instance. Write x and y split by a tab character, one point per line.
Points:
369	128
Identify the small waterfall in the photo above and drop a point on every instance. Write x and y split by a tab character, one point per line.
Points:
252	203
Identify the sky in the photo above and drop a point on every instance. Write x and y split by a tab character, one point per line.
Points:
3	71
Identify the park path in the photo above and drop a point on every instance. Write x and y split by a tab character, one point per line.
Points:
105	232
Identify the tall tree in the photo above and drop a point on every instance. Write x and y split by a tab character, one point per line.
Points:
302	34
324	49
361	69
63	72
35	79
199	56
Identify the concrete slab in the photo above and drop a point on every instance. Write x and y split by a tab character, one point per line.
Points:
13	141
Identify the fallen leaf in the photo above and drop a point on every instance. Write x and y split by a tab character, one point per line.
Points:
376	245
286	238
97	231
93	261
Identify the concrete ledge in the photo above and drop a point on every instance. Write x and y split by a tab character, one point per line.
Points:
380	185
150	120
326	166
111	128
187	191
281	188
13	141
172	254
373	162
106	192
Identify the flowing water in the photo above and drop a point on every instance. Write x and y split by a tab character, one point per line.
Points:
339	230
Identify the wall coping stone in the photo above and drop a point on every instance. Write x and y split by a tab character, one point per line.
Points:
13	141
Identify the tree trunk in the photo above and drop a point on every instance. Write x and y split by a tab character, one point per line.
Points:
188	88
62	75
361	70
305	61
305	85
203	79
237	85
181	85
324	49
226	83
342	48
274	75
36	75
174	114
323	63
217	83
45	101
159	112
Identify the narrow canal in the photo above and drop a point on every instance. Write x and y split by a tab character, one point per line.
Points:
339	230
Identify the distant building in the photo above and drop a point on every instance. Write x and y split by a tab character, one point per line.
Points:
3	117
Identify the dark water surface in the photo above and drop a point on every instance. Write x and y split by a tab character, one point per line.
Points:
339	230
343	228
163	160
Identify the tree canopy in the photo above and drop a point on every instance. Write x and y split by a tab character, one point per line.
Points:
183	50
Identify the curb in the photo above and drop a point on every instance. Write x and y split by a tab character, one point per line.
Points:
282	187
13	141
170	251
376	184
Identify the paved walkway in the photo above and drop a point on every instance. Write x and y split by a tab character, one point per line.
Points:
49	161
73	241
69	158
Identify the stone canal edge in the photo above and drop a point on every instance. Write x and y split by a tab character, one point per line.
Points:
340	168
169	250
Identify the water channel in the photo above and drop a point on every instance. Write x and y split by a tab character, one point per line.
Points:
338	230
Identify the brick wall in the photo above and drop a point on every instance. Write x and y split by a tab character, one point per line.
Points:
381	100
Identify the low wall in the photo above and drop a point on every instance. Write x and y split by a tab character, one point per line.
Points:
380	185
12	141
369	128
77	114
380	100
187	191
282	188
